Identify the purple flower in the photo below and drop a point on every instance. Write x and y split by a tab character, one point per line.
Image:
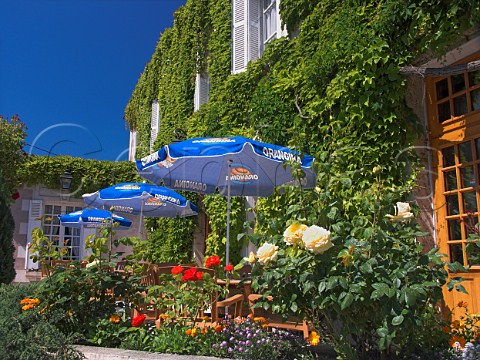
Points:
223	344
230	350
248	343
240	349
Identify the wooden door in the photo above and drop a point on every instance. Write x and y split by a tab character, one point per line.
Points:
453	105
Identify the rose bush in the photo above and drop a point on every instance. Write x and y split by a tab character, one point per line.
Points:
359	276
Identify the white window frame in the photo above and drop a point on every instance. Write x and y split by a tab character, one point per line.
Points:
270	20
65	237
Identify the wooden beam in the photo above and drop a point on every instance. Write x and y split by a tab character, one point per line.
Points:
443	71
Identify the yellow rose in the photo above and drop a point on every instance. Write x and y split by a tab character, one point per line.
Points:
317	239
250	258
266	253
293	234
402	212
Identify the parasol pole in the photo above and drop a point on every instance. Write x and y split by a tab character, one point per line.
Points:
141	220
227	245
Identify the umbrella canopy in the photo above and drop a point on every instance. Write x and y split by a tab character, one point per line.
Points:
203	164
141	198
93	218
235	166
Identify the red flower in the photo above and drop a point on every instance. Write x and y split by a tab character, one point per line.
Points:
212	261
229	267
15	195
189	275
138	320
177	270
199	275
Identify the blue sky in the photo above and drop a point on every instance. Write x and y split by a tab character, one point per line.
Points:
68	68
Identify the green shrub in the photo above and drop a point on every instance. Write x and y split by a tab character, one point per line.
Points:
26	334
7	250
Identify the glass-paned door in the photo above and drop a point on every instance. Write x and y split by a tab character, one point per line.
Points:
64	237
460	170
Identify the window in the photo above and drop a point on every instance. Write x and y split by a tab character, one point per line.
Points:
255	23
64	237
154	124
202	90
457	95
269	20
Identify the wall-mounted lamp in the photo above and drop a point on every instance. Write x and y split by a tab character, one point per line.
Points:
66	180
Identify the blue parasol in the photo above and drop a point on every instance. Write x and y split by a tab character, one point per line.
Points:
93	218
141	198
236	166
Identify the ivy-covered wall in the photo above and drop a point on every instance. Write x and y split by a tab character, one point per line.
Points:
334	91
88	175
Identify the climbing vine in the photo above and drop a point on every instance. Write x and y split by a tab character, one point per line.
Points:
88	175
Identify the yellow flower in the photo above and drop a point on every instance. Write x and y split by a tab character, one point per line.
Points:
266	253
457	324
191	332
402	213
293	234
250	258
314	338
27	307
317	239
115	318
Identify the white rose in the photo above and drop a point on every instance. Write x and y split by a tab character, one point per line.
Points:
402	212
317	239
293	234
266	253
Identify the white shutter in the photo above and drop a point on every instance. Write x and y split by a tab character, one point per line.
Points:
239	35
132	147
35	213
255	15
202	89
155	123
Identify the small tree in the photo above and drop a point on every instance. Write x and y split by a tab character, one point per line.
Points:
7	225
12	133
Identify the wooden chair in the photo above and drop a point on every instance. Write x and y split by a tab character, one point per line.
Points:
275	320
148	277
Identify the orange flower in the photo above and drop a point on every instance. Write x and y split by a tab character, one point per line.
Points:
456	338
205	318
191	332
314	338
477	336
446	329
204	330
264	326
115	318
27	307
239	320
218	328
462	304
260	319
28	301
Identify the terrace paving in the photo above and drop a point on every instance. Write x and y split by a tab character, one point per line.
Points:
100	353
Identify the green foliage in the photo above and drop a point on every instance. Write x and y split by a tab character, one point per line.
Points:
26	334
77	297
88	175
216	210
170	240
7	250
12	134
